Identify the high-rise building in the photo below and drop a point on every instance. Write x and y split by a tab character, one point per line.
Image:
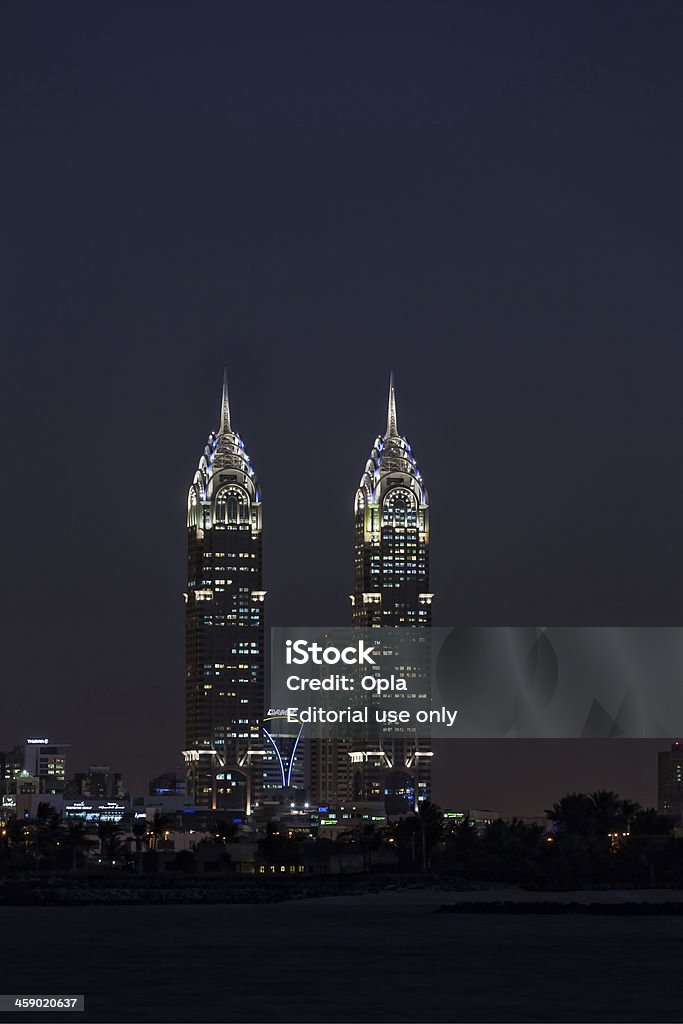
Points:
224	626
168	784
99	782
391	583
670	780
329	775
11	764
391	588
37	758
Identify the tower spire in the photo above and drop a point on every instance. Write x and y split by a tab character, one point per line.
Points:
392	427
225	406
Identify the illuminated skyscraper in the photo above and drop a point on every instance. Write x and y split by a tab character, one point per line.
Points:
391	588
392	535
224	626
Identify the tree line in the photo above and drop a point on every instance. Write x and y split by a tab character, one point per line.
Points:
590	840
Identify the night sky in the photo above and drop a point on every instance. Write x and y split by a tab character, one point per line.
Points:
484	198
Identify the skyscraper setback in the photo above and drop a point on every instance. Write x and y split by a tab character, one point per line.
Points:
224	625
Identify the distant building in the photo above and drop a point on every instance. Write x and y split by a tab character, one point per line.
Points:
11	764
27	795
98	783
478	819
167	784
182	814
94	811
335	820
38	758
329	770
670	780
29	799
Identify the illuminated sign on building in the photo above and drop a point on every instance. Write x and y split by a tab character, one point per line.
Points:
109	811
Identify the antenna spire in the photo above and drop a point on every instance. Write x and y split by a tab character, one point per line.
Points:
392	427
225	406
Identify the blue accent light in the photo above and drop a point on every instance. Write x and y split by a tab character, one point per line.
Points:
279	756
293	755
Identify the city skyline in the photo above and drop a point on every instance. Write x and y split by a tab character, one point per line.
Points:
473	755
485	200
478	753
254	630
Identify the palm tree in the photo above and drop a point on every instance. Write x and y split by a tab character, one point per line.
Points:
140	832
226	831
606	811
627	812
19	835
114	848
46	837
430	820
463	848
370	838
43	813
78	840
160	825
404	834
106	830
279	847
574	813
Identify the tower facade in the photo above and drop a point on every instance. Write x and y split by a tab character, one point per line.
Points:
225	659
391	588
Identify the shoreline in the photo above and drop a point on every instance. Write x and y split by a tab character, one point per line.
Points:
443	895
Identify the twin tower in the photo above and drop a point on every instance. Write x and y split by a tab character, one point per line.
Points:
232	761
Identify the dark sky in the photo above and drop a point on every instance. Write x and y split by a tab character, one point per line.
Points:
483	197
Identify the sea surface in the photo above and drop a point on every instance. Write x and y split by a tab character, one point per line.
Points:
382	957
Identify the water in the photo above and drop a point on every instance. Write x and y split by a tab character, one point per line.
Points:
388	957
